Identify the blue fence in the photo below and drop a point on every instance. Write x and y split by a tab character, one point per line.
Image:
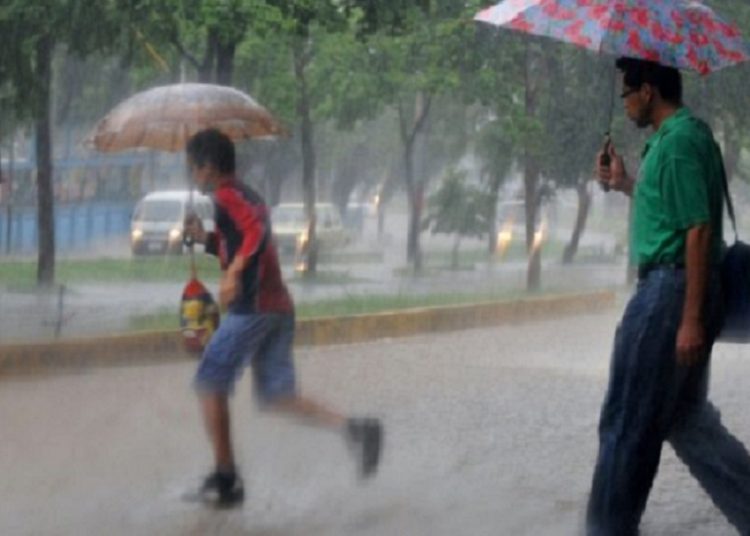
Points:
77	226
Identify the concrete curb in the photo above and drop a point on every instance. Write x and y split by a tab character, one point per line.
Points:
151	347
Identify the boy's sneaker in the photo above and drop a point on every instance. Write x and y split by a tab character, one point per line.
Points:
221	490
365	437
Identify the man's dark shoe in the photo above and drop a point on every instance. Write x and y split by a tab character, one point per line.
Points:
365	437
221	490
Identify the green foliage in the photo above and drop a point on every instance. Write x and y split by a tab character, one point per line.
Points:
496	148
578	110
23	24
457	207
345	86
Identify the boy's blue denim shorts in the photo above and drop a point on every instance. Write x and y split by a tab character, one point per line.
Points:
261	340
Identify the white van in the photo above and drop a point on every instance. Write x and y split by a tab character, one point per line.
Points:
157	223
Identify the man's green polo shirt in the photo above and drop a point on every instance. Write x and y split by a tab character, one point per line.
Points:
679	187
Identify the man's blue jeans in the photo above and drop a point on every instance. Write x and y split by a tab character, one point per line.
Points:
651	399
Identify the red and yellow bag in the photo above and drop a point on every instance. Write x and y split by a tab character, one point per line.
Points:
199	316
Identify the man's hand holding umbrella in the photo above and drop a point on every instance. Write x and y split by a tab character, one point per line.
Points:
613	175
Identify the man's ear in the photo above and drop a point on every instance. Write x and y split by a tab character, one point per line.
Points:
649	91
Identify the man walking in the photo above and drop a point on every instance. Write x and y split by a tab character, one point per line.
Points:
658	383
258	328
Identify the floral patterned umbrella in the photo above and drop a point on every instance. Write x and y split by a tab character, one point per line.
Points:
679	33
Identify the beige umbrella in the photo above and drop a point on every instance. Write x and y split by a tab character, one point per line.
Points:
165	117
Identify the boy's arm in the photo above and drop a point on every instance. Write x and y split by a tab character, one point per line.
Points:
248	221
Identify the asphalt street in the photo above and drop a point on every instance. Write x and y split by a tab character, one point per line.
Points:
489	432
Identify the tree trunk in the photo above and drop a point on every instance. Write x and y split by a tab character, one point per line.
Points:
9	201
454	253
45	190
4	196
413	254
584	205
492	214
206	68
414	189
274	181
308	155
381	219
225	63
531	179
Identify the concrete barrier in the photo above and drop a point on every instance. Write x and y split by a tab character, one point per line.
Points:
150	347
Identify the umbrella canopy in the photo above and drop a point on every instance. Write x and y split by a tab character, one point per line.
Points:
678	33
165	117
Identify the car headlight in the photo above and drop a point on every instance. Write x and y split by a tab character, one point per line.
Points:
302	239
174	234
137	234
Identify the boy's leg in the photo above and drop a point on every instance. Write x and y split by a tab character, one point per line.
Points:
215	408
310	410
275	381
238	337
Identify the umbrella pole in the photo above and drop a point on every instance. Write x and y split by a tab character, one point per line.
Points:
611	110
605	158
191	242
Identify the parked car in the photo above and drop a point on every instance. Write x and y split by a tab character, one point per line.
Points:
157	223
290	227
511	224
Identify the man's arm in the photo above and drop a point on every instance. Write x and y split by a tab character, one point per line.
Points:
614	176
691	337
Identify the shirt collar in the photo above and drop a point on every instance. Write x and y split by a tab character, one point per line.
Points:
683	113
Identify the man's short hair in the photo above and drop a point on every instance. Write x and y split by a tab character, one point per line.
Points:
666	79
210	146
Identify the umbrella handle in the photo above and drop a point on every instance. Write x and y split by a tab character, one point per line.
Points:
193	269
190	242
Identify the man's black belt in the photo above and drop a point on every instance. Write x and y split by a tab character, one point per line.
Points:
645	269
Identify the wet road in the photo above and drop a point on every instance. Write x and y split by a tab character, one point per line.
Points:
490	432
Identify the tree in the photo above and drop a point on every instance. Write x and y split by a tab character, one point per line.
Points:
291	31
457	208
34	30
420	50
579	110
205	33
720	98
495	148
512	84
